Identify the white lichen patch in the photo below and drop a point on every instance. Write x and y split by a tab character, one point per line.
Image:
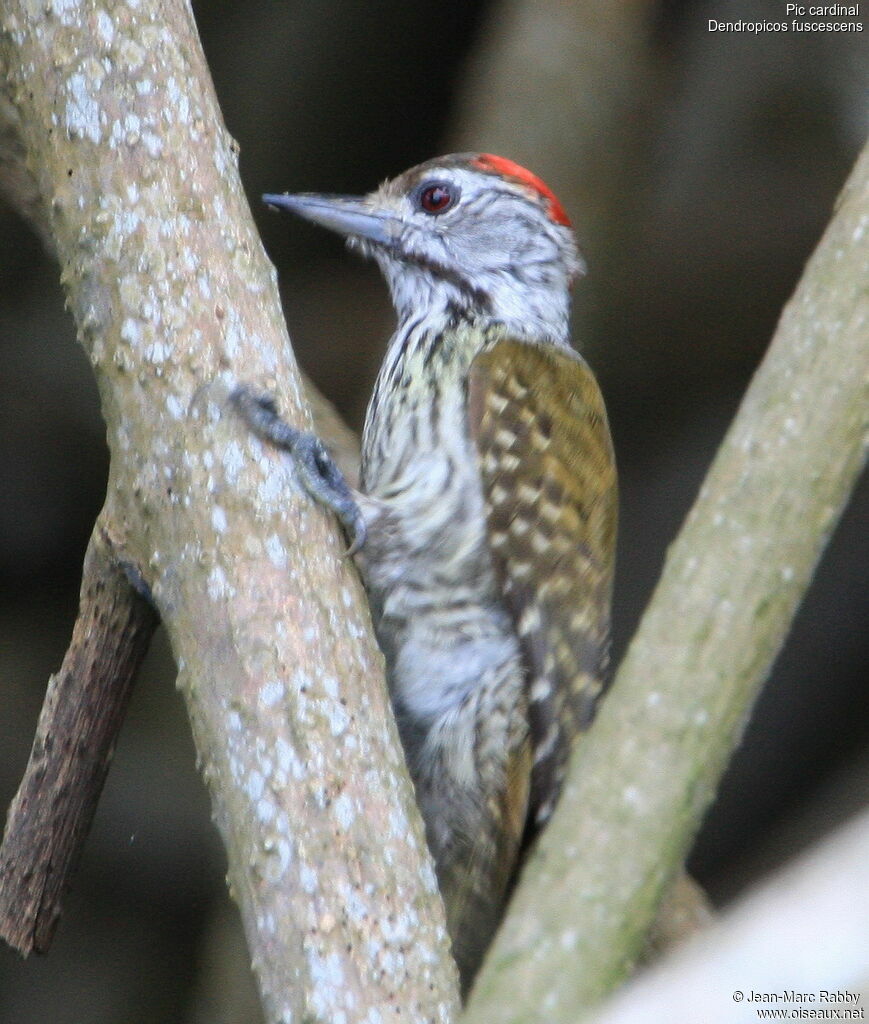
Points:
218	586
344	810
355	630
277	552
388	961
178	101
67	12
222	161
82	112
175	407
289	764
127	221
153	144
351	744
266	923
302	682
330	685
399	826
126	129
233	337
400	928
255	784
308	879
218	519
157	352
271	693
336	714
791	426
234	461
280	857
428	878
270	493
632	796
265	351
105	28
327	980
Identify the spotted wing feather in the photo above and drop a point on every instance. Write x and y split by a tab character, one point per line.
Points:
549	482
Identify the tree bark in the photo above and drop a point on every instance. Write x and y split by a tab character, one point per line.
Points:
645	774
175	302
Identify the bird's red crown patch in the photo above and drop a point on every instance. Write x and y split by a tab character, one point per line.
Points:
510	169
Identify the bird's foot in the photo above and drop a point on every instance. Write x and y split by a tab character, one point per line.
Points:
316	468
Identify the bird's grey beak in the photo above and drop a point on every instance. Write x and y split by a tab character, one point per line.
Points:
348	215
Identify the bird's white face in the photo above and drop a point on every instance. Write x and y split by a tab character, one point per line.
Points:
469	231
464	232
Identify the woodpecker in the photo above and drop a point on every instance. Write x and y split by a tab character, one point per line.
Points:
485	518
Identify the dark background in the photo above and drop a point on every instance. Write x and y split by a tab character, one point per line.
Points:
699	168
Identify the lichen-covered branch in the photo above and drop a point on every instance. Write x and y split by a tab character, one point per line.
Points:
733	579
174	302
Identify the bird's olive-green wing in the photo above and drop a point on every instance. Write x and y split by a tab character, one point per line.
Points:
549	483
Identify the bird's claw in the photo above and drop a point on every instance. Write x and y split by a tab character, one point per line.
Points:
317	470
325	482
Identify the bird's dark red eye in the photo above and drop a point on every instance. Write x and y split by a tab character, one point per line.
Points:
436	197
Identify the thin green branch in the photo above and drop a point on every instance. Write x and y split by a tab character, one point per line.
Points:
768	945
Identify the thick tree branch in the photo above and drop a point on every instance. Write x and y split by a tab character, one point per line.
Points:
733	579
174	302
83	710
85	702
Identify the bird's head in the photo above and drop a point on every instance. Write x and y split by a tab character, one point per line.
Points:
470	231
